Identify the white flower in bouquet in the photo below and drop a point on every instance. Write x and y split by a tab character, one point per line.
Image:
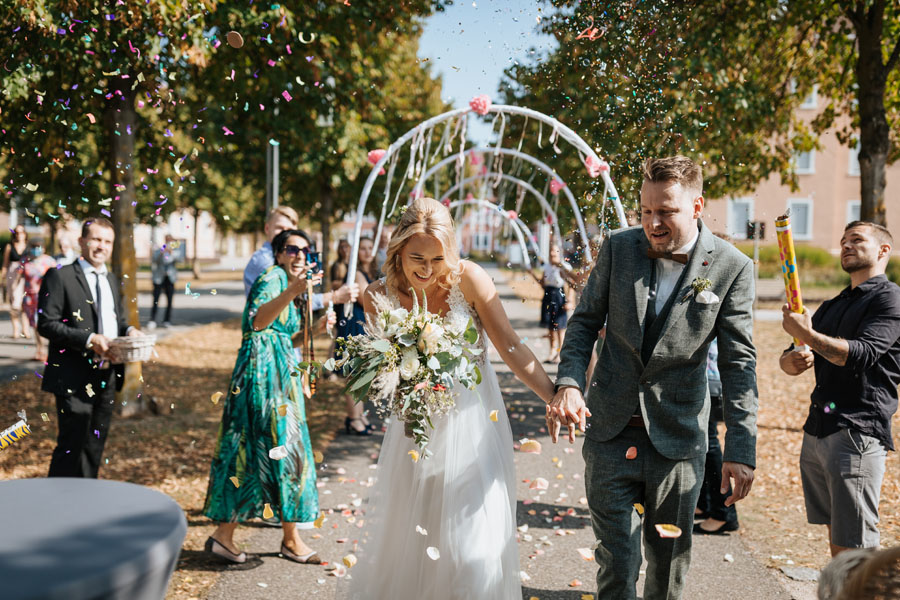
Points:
395	320
430	338
409	363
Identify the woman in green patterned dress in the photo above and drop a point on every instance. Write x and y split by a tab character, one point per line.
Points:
263	463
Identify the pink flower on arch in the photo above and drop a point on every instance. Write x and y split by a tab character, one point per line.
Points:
512	214
446	202
416	193
549	219
556	185
595	166
374	156
475	159
481	104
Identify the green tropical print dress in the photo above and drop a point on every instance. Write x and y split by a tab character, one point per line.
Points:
264	408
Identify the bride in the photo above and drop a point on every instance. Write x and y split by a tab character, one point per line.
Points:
444	527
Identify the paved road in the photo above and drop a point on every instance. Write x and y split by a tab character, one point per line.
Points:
553	524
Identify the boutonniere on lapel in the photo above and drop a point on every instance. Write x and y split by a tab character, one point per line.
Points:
700	290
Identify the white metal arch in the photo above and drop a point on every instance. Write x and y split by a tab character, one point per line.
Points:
525	185
515	222
420	185
560	129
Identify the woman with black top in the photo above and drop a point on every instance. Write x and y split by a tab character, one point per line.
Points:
366	273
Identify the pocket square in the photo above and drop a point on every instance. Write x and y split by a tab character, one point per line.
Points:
707	297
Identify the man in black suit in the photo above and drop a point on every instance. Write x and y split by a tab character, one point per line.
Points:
80	311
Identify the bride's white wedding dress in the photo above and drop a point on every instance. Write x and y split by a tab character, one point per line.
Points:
461	500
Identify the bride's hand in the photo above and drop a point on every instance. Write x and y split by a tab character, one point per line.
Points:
569	409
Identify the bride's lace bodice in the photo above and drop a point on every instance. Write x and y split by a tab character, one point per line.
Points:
458	316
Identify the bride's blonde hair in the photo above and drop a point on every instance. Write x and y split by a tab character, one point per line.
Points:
429	217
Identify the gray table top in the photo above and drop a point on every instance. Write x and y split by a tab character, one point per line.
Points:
80	538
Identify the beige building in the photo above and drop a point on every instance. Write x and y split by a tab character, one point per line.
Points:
826	200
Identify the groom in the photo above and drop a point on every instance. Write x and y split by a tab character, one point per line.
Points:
664	292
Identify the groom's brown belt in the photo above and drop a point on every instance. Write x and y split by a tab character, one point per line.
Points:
636	421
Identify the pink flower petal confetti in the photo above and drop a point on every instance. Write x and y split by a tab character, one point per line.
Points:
539	483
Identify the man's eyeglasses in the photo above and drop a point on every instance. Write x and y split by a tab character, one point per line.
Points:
292	250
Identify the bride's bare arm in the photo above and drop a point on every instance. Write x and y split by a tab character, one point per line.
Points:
376	287
478	288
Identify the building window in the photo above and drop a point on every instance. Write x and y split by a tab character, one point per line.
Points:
811	101
853	210
801	218
740	212
805	162
853	165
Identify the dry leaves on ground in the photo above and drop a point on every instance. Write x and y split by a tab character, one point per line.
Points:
169	452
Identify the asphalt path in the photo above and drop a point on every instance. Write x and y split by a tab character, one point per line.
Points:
554	524
198	305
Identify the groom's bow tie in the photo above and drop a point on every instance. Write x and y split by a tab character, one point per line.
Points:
682	258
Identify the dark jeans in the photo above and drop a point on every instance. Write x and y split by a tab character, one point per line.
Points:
712	501
83	427
167	286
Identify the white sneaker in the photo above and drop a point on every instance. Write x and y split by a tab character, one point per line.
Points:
151	325
166	324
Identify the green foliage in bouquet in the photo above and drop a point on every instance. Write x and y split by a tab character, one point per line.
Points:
407	364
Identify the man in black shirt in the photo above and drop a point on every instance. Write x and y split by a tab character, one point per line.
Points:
856	340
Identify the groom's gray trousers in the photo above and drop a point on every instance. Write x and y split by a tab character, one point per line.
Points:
653	364
667	491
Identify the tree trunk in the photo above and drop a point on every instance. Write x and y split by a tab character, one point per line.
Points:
874	135
120	121
326	207
195	264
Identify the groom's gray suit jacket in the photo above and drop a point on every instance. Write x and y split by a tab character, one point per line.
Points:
670	390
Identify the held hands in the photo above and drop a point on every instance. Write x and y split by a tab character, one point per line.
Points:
567	408
742	477
798	325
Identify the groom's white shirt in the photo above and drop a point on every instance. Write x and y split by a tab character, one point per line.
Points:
668	272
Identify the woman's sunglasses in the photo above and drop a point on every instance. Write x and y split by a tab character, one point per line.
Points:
292	250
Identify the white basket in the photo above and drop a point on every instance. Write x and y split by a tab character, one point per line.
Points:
131	349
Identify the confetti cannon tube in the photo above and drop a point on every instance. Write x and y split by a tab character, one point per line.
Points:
789	268
13	434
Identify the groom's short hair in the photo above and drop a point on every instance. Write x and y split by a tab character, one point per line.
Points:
678	169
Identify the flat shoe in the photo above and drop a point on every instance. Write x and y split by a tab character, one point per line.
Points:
307	559
215	547
722	530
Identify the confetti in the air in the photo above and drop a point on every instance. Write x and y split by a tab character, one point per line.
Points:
530	446
666	530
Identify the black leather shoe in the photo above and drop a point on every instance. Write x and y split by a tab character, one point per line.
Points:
724	529
213	546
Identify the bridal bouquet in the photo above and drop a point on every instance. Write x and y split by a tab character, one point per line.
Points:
406	364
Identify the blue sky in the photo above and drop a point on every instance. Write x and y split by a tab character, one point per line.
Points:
472	42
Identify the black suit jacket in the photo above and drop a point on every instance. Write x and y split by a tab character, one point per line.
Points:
67	317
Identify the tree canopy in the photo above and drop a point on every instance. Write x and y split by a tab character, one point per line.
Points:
721	81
